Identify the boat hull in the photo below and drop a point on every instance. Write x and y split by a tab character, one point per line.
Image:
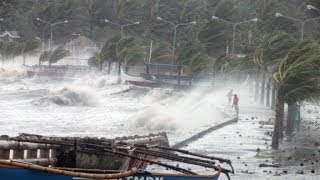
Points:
56	71
28	174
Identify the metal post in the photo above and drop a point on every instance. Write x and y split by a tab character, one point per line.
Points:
50	43
174	43
150	52
302	30
233	36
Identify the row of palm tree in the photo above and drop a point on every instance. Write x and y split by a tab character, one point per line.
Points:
131	50
31	47
290	67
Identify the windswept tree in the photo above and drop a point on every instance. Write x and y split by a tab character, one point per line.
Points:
297	79
122	48
53	56
200	62
188	54
272	49
29	47
11	50
109	51
96	60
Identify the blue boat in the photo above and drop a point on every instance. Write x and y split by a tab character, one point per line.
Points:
38	157
10	170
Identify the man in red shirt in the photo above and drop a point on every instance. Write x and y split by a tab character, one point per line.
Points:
235	104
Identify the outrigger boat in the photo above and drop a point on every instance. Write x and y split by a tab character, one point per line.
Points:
167	76
57	70
94	150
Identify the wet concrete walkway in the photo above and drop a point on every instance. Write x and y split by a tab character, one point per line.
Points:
247	144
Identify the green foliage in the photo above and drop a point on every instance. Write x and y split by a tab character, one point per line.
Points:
297	77
200	62
31	45
54	56
136	55
162	53
274	46
11	50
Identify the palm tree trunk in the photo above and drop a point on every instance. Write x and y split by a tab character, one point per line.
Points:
263	86
100	66
190	80
24	56
179	74
268	92
147	69
290	120
109	66
277	126
119	71
273	98
257	85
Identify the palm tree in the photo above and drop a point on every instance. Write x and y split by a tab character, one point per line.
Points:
11	50
122	49
29	47
53	56
274	47
96	60
109	50
190	49
136	54
199	62
297	79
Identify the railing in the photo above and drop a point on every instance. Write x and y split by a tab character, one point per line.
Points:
40	154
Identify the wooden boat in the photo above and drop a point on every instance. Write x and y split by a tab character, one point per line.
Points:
74	152
56	71
15	168
156	77
11	170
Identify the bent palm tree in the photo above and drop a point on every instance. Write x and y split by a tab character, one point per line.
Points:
199	62
29	47
297	79
53	56
274	47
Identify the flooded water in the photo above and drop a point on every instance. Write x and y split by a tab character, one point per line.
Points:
95	105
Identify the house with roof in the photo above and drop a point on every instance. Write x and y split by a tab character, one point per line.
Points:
9	36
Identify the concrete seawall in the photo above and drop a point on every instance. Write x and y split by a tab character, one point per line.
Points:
203	133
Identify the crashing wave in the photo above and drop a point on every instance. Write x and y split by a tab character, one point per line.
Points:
68	97
12	73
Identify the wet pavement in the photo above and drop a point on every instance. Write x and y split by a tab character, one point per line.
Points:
247	144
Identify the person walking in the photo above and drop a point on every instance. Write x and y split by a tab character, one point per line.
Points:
235	104
229	96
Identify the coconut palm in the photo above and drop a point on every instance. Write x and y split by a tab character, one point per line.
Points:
29	47
122	49
11	50
186	54
274	47
53	56
136	54
199	62
297	79
162	53
96	60
109	50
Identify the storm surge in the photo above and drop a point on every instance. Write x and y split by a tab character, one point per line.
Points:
176	112
69	96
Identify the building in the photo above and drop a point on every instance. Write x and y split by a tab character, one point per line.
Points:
9	36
